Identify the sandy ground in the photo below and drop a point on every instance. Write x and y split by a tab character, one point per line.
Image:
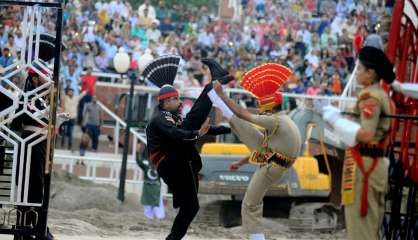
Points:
82	210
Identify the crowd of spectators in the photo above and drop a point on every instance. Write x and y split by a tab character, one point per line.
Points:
317	39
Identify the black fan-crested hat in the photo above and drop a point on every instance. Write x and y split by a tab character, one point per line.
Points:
46	46
162	70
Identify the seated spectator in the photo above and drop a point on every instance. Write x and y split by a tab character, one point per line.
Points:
313	58
88	59
102	62
336	84
154	33
139	32
147	5
162	11
314	90
145	20
6	59
328	38
166	27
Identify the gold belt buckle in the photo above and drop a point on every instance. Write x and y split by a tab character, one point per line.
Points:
259	158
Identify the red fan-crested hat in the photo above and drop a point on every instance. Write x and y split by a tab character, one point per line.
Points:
264	81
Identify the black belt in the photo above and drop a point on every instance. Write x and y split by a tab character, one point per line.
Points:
372	152
283	161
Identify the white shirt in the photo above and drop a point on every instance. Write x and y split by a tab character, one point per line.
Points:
257	2
71	104
118	7
99	5
89	35
206	38
313	59
19	42
306	36
151	11
154	34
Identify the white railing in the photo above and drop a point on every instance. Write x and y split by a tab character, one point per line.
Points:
343	101
154	90
112	162
111	76
301	98
112	165
121	124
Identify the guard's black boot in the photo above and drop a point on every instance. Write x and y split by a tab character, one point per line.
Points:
226	79
170	237
49	235
216	70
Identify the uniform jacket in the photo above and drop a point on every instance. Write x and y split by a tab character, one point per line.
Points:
168	141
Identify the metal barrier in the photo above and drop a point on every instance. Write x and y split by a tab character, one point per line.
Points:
119	125
93	163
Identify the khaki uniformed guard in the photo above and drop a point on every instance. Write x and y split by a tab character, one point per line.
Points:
365	172
275	148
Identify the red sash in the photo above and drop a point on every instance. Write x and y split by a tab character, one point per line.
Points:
355	152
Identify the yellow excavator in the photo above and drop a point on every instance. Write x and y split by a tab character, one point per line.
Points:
311	183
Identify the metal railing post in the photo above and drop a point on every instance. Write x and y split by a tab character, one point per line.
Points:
116	137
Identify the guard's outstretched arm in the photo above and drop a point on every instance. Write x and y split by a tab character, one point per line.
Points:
231	107
167	126
407	89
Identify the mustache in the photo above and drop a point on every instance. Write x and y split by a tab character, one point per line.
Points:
179	106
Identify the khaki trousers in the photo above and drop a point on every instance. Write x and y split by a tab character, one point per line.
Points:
252	205
263	178
367	228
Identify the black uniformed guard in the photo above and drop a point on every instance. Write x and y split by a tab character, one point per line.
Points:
27	126
171	144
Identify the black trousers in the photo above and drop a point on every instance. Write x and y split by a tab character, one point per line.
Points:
181	178
29	215
184	185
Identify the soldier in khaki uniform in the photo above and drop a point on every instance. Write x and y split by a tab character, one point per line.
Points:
365	173
275	148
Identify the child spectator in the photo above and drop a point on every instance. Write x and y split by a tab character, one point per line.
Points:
151	197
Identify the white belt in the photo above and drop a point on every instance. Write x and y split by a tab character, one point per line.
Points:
36	129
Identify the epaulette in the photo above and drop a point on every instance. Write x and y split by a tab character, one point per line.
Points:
369	94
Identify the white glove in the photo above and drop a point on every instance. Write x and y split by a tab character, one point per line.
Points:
61	118
407	89
346	130
397	86
219	103
331	114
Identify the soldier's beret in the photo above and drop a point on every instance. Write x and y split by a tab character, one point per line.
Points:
167	91
376	59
